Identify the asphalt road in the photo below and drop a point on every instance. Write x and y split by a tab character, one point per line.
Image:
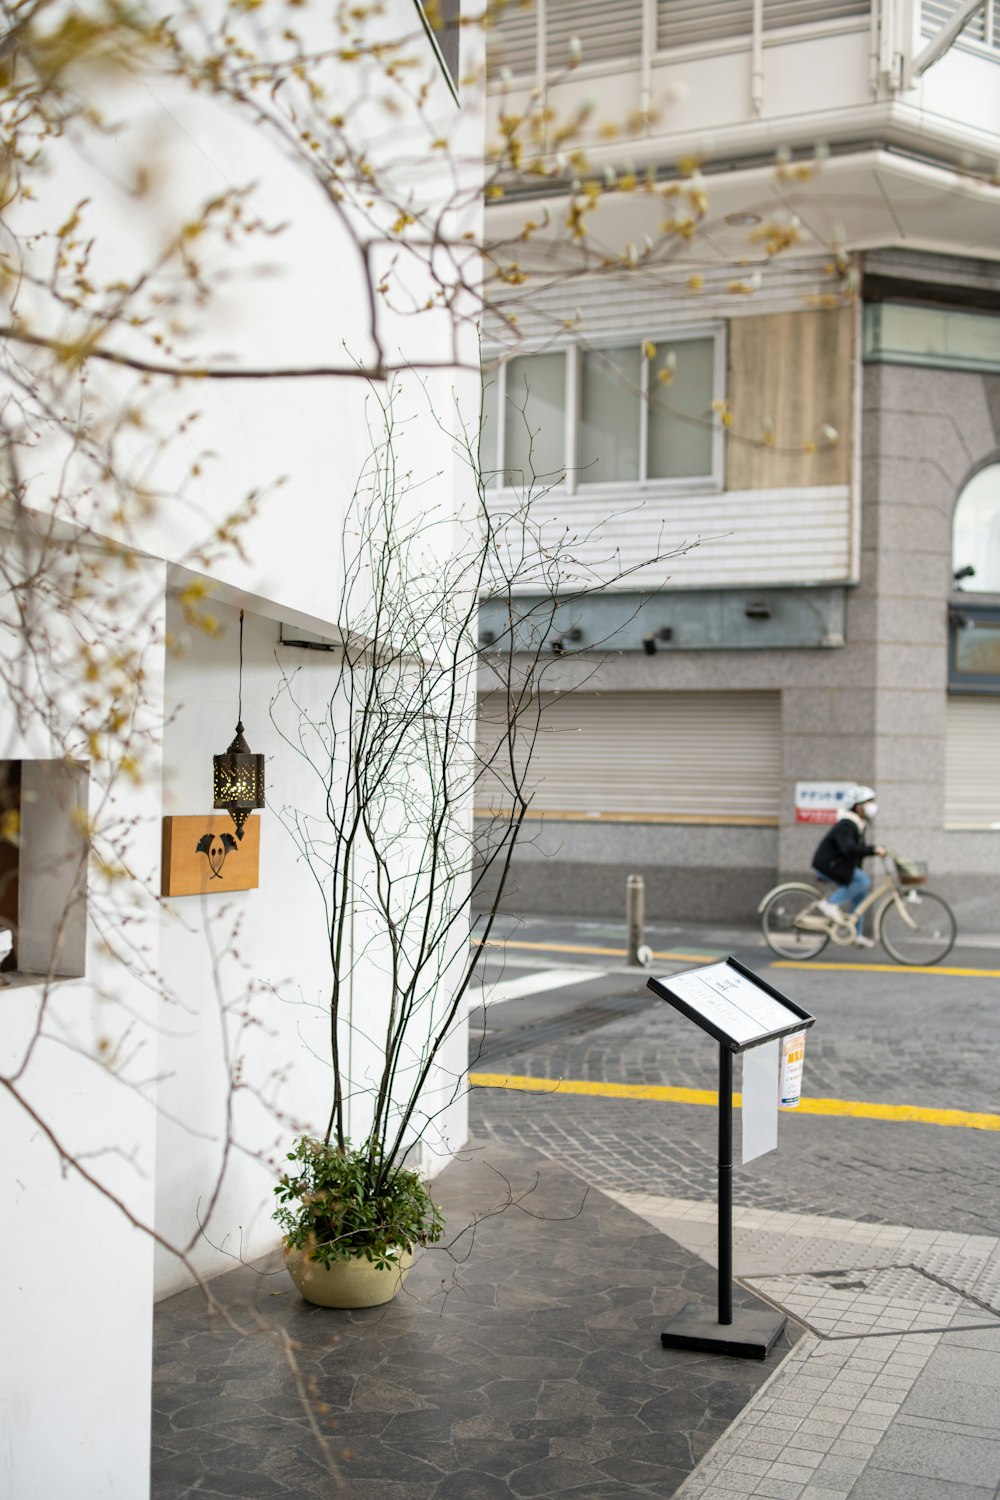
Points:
928	1040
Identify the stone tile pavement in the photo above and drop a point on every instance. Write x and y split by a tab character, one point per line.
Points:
534	1370
894	1391
525	1362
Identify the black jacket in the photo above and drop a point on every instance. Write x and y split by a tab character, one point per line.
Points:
841	850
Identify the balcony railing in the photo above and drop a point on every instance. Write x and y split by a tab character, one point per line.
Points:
534	42
526	40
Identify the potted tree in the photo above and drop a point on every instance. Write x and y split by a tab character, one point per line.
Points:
350	1227
403	757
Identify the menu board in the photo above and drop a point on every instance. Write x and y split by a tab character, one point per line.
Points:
730	1002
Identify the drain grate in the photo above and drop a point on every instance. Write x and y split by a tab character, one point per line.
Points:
873	1302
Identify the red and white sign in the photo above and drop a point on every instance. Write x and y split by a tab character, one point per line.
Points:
821	801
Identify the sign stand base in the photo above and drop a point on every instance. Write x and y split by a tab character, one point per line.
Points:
752	1334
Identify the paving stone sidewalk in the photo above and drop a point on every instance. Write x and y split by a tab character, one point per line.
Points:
534	1370
894	1391
530	1366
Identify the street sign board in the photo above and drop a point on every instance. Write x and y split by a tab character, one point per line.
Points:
744	1014
734	1005
821	801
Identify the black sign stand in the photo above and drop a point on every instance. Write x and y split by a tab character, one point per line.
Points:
746	1332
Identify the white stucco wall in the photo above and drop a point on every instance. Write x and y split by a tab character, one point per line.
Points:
77	1280
246	977
76	1256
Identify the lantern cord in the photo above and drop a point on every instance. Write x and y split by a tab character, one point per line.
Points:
239	711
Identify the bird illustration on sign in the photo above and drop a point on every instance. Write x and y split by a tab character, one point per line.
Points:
215	847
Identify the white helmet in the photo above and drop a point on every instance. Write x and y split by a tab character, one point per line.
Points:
859	794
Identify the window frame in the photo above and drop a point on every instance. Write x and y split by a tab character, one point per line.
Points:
712	482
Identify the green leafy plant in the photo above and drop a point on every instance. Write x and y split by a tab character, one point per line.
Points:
340	1202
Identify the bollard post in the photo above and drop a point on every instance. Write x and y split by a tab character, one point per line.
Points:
635	915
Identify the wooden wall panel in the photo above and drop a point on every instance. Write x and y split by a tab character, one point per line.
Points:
794	370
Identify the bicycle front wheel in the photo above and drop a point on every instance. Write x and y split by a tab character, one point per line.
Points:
917	928
779	919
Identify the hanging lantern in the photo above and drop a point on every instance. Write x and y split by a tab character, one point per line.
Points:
238	775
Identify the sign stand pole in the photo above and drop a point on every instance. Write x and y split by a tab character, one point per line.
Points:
746	1332
740	1010
725	1227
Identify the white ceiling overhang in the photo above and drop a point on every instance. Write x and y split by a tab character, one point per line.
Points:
856	200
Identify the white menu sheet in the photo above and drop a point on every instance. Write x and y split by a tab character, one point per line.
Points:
760	1100
731	1002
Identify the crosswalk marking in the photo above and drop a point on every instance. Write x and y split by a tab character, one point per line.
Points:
535	984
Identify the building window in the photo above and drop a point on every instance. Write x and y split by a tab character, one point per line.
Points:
902	333
43	868
614	416
975	536
973	649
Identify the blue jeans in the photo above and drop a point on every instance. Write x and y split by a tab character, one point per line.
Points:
852	894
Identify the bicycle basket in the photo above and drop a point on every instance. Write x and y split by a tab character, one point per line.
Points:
911	871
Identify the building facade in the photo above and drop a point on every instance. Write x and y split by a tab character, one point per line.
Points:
163	1045
777	356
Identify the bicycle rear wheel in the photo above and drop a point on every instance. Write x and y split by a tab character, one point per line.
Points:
778	922
923	932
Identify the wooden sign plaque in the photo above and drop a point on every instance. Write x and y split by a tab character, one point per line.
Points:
203	857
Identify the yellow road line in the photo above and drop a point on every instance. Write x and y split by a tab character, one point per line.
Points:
583	948
795	963
584	1086
910	1114
778	963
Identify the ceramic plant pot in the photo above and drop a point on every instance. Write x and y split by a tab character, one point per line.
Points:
346	1283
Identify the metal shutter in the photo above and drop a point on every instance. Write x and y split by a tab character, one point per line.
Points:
935	14
608	31
703	756
779	13
680	22
603	30
972	763
512	40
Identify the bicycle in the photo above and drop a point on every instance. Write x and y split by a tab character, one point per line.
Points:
913	925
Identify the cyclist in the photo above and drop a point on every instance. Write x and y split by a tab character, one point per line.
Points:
839	856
